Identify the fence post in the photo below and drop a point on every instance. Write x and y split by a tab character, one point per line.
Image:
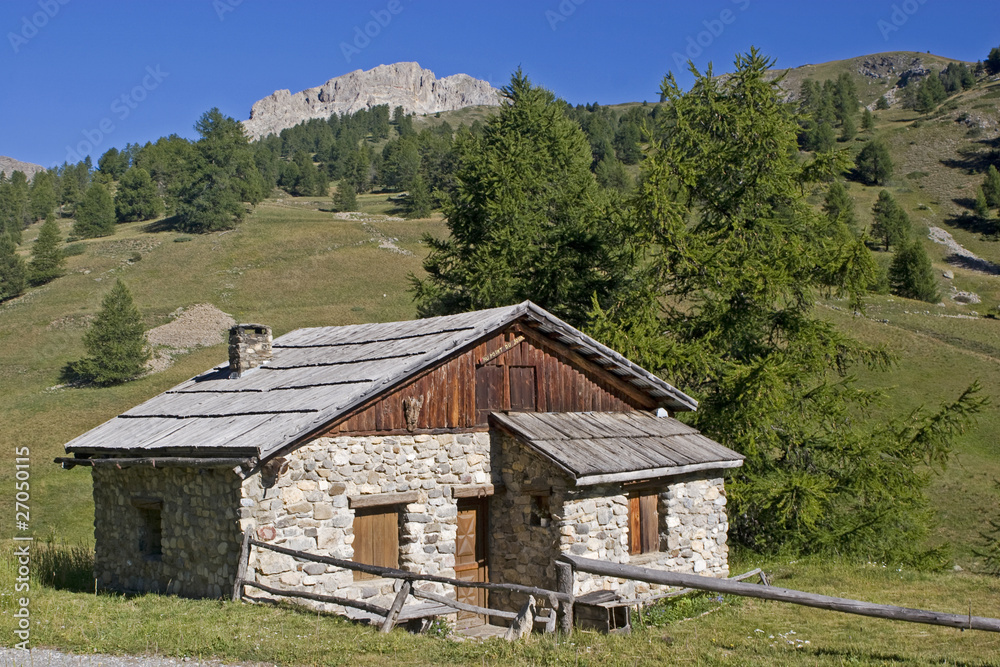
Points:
397	605
241	568
564	584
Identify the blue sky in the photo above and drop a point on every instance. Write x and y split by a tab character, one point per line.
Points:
79	72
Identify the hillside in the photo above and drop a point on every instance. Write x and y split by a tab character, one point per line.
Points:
295	264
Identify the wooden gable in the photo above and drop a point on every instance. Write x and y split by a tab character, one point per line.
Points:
515	369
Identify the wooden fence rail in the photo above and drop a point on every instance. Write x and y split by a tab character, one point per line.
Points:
965	622
409	578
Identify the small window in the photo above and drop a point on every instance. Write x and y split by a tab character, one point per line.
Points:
643	524
541	515
150	526
376	538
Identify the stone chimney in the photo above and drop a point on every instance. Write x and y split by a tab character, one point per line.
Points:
249	347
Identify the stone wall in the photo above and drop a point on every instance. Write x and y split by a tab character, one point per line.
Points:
593	522
200	541
307	507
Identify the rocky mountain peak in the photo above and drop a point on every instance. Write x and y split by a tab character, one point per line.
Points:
9	165
408	85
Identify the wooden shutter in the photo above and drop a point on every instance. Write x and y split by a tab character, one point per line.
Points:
643	524
650	529
522	388
489	391
634	530
376	539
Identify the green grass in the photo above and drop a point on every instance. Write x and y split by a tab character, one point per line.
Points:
734	631
290	265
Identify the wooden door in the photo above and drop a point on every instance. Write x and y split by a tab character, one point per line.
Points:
470	555
523	392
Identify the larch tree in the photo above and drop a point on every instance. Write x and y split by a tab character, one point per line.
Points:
13	272
117	349
874	164
137	197
47	258
95	216
526	217
891	223
736	260
911	275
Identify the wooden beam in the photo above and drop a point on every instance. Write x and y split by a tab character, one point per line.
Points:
332	599
393	573
379	499
965	622
475	490
654	473
397	604
461	606
156	462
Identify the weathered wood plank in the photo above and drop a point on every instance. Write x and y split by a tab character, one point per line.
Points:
392	573
397	605
241	568
332	599
782	595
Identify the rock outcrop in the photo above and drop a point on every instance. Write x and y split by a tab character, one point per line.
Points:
9	165
408	85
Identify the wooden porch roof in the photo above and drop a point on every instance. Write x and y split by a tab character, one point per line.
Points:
604	447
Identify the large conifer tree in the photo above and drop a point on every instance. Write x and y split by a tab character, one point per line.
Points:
737	259
137	198
95	216
525	216
13	273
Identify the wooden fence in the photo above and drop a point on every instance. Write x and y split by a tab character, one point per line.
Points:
391	615
568	564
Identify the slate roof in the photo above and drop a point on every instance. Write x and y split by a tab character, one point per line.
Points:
602	447
318	375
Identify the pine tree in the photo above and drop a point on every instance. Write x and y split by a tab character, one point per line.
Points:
95	216
47	257
525	216
137	197
345	199
911	275
868	120
891	223
874	164
418	200
117	350
839	206
222	182
980	207
991	187
13	272
42	195
848	129
882	103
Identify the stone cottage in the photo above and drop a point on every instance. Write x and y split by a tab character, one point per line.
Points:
478	446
